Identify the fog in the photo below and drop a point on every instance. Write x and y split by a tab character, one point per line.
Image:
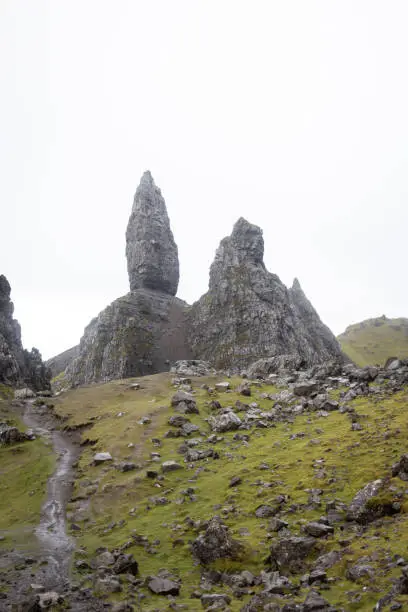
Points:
292	114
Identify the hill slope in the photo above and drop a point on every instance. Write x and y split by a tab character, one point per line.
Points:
374	340
292	469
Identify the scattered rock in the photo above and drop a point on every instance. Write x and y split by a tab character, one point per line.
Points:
106	586
127	466
276	524
163	586
25	393
223	386
228	421
235	481
305	388
368	505
101	458
265	511
244	389
398	469
314	601
197	455
290	552
214	543
326	561
191	367
125	564
360	570
171	466
318	530
185	406
275	583
50	599
177	420
189	428
12	435
209	599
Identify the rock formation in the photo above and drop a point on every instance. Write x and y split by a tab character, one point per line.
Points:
151	253
145	330
17	366
248	313
139	333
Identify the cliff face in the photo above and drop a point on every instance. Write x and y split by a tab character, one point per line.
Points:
17	366
248	313
143	331
139	333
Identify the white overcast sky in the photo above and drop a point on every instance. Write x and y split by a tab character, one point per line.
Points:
293	114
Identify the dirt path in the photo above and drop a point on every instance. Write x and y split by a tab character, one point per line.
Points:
56	546
47	560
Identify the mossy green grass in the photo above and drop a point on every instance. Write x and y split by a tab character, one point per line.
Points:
281	460
24	471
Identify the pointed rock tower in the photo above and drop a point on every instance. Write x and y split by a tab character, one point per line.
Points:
143	331
248	313
151	253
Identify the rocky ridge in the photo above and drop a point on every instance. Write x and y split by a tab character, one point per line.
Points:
247	313
18	367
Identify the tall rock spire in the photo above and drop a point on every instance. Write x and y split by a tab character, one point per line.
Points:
152	255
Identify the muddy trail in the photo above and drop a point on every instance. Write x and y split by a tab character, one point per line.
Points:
55	545
46	561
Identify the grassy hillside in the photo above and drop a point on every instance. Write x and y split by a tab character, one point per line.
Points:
371	342
157	518
24	471
301	467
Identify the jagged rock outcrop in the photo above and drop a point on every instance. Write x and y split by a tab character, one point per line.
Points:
248	313
140	333
145	330
17	366
151	253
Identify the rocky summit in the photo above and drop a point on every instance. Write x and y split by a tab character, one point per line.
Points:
248	313
18	367
151	253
